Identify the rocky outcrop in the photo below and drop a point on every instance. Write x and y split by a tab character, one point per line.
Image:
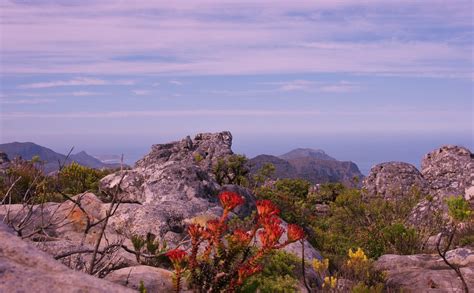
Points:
154	279
24	268
394	180
427	273
447	171
172	183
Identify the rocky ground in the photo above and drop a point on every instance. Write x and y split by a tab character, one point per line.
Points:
172	186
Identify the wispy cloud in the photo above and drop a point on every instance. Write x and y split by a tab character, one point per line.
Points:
166	113
297	85
226	37
316	86
26	102
80	81
176	82
86	93
341	87
140	92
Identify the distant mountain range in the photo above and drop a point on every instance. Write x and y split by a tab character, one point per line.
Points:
313	165
28	150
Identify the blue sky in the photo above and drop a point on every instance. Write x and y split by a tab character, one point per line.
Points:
365	80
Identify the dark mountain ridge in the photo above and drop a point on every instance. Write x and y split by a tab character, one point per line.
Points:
313	165
52	159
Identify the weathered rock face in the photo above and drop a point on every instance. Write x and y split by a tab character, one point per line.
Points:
427	273
449	170
154	279
23	268
172	183
394	180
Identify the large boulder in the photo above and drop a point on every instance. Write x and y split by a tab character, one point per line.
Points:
171	184
427	273
24	268
449	170
394	180
154	279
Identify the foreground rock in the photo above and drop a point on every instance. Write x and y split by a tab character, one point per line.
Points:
427	273
23	268
154	279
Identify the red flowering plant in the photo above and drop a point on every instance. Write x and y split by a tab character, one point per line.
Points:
222	259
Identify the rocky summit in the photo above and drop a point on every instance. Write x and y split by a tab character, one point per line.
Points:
169	185
174	186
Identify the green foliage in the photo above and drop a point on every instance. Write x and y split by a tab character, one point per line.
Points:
263	174
278	275
401	239
328	192
459	209
198	157
232	170
75	178
26	182
291	197
377	225
152	247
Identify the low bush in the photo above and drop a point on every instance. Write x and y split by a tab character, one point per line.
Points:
229	258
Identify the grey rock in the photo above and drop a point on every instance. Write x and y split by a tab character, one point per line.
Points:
155	280
394	180
174	182
449	172
427	273
24	268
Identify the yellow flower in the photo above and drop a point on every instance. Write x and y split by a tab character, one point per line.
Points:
330	282
356	256
321	266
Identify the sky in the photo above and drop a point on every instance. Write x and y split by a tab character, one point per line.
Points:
367	81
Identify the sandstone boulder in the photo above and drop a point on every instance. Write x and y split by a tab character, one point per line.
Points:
394	180
155	280
171	184
23	268
427	273
449	170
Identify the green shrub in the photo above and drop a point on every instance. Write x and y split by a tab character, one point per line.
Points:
26	182
459	208
375	224
75	178
292	197
263	174
198	157
279	274
232	170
